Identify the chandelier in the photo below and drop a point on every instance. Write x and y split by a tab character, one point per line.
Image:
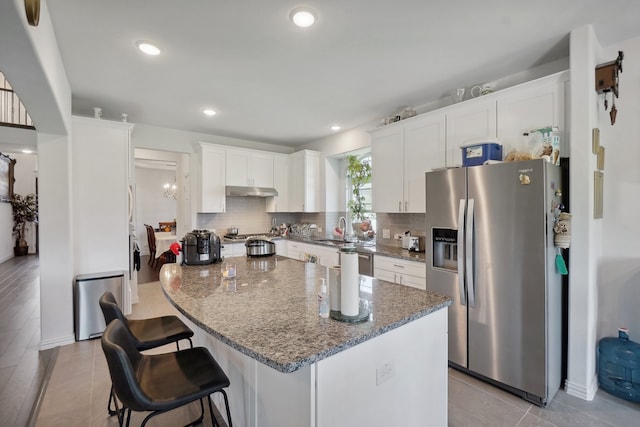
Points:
170	190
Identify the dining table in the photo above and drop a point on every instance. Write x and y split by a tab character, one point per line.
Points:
164	239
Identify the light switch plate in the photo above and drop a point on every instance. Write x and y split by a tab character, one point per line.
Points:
386	234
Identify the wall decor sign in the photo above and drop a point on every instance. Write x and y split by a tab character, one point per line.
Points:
6	178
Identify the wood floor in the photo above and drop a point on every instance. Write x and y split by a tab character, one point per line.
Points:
23	369
148	273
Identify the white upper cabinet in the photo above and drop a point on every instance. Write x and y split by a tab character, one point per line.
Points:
304	182
401	155
249	168
280	203
424	150
213	195
467	122
387	177
533	105
506	115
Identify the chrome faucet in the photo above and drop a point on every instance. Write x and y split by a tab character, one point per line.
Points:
343	228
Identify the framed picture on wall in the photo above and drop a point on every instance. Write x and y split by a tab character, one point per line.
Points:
6	178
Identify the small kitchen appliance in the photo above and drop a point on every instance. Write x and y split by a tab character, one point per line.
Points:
260	246
200	247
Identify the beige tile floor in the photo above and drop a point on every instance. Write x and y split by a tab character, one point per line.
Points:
78	390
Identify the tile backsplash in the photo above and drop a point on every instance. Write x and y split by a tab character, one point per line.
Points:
398	223
249	215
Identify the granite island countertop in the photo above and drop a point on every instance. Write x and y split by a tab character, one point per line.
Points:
364	247
270	311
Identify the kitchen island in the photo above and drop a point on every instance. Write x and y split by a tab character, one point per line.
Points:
289	367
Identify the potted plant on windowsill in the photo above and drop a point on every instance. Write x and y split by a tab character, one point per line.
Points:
359	174
25	210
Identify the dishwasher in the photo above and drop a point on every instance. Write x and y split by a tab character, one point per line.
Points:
365	264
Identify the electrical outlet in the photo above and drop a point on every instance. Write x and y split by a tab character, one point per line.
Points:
319	230
385	372
397	236
386	233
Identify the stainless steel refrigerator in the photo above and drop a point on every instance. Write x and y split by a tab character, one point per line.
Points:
490	248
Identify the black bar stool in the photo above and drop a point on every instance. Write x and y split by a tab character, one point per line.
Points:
146	333
160	382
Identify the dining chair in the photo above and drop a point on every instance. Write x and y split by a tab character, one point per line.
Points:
159	383
151	240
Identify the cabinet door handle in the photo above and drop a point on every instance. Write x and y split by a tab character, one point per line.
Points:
398	266
405	206
400	206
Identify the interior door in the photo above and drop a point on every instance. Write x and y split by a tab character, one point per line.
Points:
445	194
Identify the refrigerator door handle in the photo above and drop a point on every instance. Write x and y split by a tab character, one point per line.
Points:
461	266
468	255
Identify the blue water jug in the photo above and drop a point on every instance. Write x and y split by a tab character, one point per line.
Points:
619	366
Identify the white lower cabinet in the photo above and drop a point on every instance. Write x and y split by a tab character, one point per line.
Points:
229	250
282	247
317	254
400	271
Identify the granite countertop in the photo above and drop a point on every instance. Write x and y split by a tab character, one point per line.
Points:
365	247
270	311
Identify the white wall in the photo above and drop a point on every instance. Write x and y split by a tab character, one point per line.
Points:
30	59
619	267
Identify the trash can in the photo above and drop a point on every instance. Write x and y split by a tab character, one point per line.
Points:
87	290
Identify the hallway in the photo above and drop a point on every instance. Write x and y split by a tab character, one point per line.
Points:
23	368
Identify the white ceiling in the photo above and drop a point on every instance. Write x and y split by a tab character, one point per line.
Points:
273	82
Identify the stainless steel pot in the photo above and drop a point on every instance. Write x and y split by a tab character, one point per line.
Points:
260	246
232	231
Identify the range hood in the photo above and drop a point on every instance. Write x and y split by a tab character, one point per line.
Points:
233	190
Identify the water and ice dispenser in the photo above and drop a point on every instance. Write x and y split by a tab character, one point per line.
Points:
445	248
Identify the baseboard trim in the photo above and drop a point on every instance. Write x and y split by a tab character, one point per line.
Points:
55	342
579	391
52	356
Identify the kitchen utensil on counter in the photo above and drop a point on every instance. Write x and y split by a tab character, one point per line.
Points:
232	231
405	239
416	244
228	270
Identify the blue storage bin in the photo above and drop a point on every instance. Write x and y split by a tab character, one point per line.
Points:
619	366
477	154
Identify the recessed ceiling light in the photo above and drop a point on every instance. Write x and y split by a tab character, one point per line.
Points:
335	128
148	48
209	112
303	16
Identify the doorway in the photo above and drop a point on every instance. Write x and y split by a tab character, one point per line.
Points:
161	194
